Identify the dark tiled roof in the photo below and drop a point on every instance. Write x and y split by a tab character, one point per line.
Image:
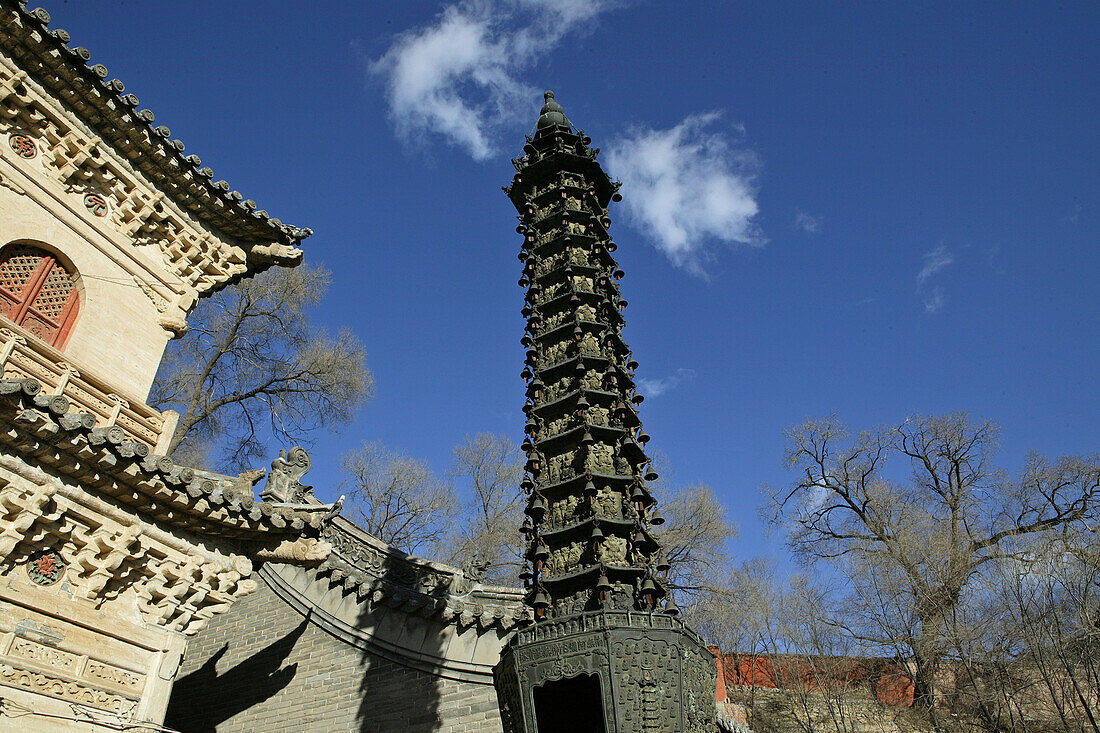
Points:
67	72
43	430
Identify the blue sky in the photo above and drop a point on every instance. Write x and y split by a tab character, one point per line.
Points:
872	208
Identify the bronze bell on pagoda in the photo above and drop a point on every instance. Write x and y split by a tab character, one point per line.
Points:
643	437
663	565
670	606
650	474
649	590
540	603
603	586
537	508
656	519
596	537
541	553
590	491
526	529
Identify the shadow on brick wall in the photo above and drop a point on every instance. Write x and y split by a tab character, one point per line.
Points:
205	699
394	698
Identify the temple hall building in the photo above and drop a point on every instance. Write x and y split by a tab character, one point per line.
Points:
112	556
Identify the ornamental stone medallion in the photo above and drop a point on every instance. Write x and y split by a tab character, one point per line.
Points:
46	567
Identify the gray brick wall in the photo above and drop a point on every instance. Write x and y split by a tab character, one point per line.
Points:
261	667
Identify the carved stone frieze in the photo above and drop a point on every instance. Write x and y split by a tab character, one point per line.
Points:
117	560
67	690
654	673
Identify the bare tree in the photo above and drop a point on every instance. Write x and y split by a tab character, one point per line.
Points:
694	539
1042	670
922	539
253	364
487	470
397	499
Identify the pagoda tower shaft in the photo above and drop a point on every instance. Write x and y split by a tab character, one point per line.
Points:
589	534
606	649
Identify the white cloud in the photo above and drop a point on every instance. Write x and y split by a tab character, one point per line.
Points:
933	302
688	187
457	76
806	222
657	387
934	262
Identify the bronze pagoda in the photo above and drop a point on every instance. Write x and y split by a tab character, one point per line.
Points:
606	651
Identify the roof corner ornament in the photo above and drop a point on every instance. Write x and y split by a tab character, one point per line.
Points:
284	255
284	482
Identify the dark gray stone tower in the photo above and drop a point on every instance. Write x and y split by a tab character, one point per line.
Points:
606	651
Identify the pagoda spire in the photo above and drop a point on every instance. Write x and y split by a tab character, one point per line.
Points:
590	514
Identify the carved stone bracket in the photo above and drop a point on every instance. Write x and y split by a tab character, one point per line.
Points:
110	556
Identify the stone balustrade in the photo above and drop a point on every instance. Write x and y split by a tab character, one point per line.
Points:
23	355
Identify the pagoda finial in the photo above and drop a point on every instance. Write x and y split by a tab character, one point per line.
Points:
551	113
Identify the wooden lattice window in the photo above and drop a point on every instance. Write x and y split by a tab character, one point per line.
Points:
38	293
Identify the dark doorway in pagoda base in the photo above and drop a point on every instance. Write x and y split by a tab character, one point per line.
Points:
572	705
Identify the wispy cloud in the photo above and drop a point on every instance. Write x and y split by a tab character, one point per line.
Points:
934	301
458	76
657	387
934	262
807	222
688	187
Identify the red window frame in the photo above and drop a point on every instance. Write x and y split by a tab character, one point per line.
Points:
32	300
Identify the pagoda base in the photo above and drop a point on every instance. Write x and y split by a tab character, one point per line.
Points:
606	672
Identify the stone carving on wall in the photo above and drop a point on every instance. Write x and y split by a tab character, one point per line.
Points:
107	556
655	674
69	691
